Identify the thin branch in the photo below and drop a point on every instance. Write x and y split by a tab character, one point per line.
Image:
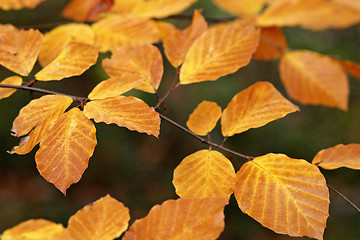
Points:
345	198
207	18
174	85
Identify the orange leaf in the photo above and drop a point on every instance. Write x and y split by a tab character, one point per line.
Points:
339	156
104	219
165	29
352	68
200	219
65	149
311	14
86	10
144	62
219	51
244	7
123	30
204	173
129	112
7	5
177	43
254	107
19	48
311	78
34	229
272	44
204	118
354	4
289	196
7	92
74	59
56	40
124	6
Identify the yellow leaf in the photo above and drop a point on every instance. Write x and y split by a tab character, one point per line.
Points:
165	29
86	10
354	4
311	14
104	219
73	60
19	48
177	43
200	219
352	68
204	118
7	5
129	112
254	107
219	51
311	78
7	92
272	44
205	173
124	30
56	40
289	196
124	6
34	229
339	156
243	7
144	62
65	149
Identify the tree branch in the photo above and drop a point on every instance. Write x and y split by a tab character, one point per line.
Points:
345	198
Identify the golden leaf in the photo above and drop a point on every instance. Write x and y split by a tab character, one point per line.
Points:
165	29
219	51
144	62
177	43
7	92
200	219
65	149
339	156
205	173
289	196
204	118
74	59
244	7
129	112
352	68
121	30
19	48
354	4
254	107
124	6
311	78
104	219
86	10
56	40
7	5
272	44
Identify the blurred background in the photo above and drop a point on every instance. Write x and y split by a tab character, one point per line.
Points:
137	169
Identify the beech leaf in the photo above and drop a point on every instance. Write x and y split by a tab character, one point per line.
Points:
289	196
7	92
352	68
243	7
7	5
86	10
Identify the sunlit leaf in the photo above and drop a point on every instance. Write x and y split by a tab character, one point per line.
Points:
34	229
144	62
311	78
129	112
312	14
7	92
56	40
124	6
65	149
339	156
352	68
104	219
219	51
124	30
254	107
177	43
243	7
74	59
19	49
200	219
18	4
272	44
354	4
205	173
86	10
165	29
204	118
289	196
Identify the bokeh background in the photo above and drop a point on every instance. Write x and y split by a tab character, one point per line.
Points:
137	169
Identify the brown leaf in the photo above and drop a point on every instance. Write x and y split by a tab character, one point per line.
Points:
7	92
7	5
272	44
86	10
243	7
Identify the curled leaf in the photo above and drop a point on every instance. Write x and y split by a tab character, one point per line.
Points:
7	92
86	10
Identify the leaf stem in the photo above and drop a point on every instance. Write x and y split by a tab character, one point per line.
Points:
345	198
174	85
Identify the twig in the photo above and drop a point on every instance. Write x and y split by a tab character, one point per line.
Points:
345	198
174	85
207	18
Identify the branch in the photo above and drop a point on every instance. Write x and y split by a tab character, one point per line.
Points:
345	198
207	18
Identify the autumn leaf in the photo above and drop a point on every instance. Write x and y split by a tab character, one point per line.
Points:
289	196
205	173
339	156
104	219
19	48
7	92
56	40
352	68
177	42
272	44
129	112
124	6
144	62
312	78
219	51
74	59
244	7
254	107
204	118
354	4
165	29
7	5
200	219
86	10
65	149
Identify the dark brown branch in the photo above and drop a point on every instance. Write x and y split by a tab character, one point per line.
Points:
345	198
207	18
174	85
